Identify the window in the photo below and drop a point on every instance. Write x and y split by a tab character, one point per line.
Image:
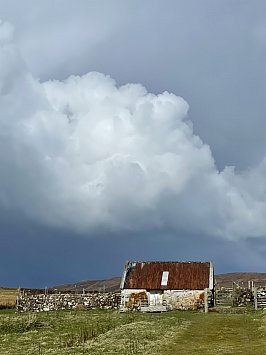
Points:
164	278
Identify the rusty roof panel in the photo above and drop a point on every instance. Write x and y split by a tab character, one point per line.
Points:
181	275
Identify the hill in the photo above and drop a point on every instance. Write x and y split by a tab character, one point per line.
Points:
113	284
241	278
108	285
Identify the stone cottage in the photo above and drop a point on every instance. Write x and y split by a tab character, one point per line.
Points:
161	286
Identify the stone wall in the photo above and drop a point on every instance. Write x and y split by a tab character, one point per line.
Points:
53	302
235	297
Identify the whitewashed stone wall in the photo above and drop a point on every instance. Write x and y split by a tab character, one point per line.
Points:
173	299
184	299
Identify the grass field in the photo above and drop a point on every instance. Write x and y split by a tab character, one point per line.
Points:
108	332
8	297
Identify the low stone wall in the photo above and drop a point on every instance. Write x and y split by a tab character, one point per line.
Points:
53	302
235	297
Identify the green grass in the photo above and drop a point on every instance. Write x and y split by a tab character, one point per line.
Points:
108	332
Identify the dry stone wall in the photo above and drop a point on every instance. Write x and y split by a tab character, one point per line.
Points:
54	302
235	297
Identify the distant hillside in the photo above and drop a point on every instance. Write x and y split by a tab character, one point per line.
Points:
242	278
113	284
8	297
109	285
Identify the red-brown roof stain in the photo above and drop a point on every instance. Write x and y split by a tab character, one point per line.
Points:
182	275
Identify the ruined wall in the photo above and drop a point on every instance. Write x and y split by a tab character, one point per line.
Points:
173	299
52	302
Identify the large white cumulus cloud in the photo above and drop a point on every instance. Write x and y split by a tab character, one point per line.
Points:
84	153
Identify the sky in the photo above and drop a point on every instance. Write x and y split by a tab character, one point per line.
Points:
130	130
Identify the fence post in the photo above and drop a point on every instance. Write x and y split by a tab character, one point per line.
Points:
206	300
255	298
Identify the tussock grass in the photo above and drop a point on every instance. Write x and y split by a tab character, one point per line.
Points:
101	332
18	324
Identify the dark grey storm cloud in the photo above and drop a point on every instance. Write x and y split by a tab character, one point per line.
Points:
36	256
105	165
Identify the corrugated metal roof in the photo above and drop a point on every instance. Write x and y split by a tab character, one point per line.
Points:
181	275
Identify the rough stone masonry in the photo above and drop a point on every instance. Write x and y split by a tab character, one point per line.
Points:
54	302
